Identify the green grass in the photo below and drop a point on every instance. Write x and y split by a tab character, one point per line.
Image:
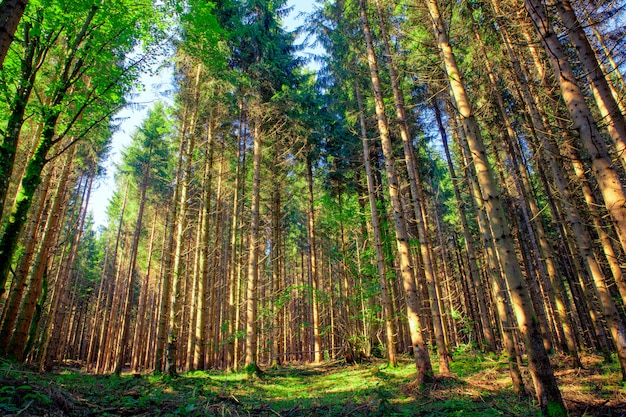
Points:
479	387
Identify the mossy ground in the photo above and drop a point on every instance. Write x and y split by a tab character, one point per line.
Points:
480	386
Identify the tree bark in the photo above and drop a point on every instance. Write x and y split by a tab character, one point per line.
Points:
474	274
602	167
420	352
415	184
608	106
312	265
380	257
11	12
546	387
253	255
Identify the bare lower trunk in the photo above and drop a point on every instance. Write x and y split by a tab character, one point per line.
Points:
546	387
420	352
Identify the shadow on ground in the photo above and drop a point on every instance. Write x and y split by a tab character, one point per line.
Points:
480	387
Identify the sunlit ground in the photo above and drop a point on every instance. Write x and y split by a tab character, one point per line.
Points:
480	386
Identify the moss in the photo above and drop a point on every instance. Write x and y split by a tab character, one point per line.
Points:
556	409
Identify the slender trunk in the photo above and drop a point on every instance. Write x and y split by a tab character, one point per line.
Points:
108	312
492	265
132	274
602	166
177	271
98	310
200	330
233	296
609	109
420	352
253	255
139	339
415	184
476	292
380	258
312	266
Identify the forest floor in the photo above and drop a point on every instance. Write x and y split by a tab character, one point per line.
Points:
480	387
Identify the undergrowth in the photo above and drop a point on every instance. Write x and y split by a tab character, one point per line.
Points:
479	386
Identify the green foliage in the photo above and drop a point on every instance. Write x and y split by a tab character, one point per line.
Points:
148	160
203	38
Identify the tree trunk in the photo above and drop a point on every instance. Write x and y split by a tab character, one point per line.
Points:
546	387
312	266
205	231
380	258
11	12
609	109
493	267
475	286
188	141
415	184
253	255
141	325
602	167
420	352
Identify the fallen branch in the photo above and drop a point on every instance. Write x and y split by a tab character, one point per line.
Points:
354	410
24	409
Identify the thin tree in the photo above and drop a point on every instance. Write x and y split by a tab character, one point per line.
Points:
546	387
420	352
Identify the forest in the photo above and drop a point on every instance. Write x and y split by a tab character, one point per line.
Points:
443	188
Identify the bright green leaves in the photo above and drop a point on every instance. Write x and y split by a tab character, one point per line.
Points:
202	36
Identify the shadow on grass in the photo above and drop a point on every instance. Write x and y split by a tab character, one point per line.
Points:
480	387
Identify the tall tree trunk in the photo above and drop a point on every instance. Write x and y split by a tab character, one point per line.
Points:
492	265
188	141
141	328
546	387
205	231
380	258
415	184
98	310
179	267
253	255
312	265
602	167
475	286
420	352
132	273
609	109
234	278
108	312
